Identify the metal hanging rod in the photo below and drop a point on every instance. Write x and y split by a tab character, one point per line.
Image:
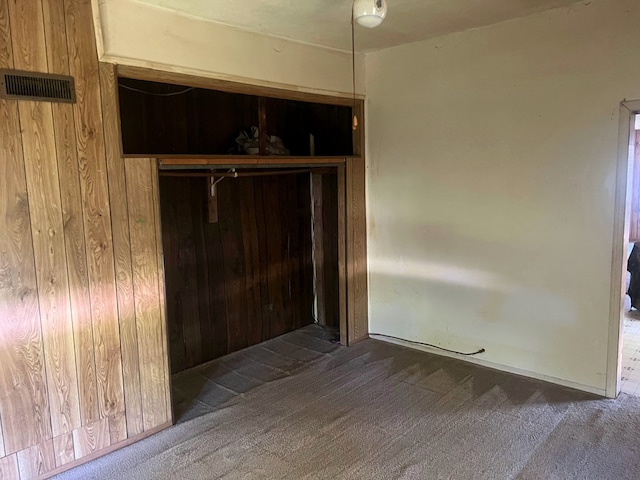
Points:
170	173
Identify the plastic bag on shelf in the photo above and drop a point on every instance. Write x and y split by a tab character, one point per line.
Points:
249	143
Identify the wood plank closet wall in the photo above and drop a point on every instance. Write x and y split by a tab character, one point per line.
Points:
82	352
244	279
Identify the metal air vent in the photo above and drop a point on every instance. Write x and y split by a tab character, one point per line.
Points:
45	87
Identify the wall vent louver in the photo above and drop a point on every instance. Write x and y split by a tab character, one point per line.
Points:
34	86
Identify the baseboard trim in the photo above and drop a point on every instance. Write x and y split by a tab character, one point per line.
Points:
104	451
495	366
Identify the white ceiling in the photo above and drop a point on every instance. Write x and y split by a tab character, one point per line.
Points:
327	22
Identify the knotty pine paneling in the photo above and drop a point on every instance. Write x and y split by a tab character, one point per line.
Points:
160	278
243	279
24	405
122	252
63	449
83	65
36	460
43	185
140	176
69	176
69	346
117	428
81	283
356	250
91	438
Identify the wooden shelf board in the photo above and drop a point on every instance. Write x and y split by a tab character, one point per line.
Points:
244	161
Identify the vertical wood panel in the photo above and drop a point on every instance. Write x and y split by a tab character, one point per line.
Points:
188	268
83	65
356	248
117	428
342	256
57	254
63	121
36	460
162	296
357	300
330	241
234	267
248	283
183	281
300	250
305	249
63	449
286	210
263	265
217	297
199	202
27	35
274	256
318	247
43	184
51	265
142	212
91	438
172	191
24	407
9	468
251	259
122	251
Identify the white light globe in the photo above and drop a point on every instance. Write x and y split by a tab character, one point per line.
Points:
369	13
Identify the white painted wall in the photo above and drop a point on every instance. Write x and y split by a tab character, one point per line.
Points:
491	177
133	33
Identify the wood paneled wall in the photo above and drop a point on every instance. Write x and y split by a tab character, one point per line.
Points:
80	284
244	279
83	349
198	121
356	251
325	248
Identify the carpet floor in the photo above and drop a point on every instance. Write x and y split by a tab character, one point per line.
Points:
301	407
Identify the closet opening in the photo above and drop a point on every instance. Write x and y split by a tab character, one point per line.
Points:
249	255
257	221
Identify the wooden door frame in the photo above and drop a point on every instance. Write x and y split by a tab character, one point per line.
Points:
344	198
352	260
624	177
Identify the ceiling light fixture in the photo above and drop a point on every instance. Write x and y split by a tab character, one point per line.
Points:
369	13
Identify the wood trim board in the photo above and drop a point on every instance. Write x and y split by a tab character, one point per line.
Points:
140	73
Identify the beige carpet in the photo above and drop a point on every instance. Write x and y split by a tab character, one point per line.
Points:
300	407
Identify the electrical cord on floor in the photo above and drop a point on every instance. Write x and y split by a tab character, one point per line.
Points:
482	350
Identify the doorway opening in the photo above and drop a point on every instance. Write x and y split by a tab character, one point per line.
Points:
630	361
250	255
253	211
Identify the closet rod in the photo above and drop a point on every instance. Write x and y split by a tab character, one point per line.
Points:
169	173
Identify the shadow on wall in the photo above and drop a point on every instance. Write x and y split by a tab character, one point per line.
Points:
446	288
